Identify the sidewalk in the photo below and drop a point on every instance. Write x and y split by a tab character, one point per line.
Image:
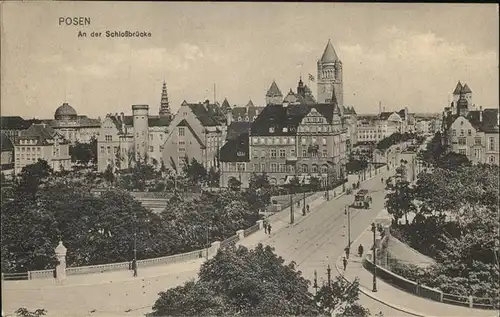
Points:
395	297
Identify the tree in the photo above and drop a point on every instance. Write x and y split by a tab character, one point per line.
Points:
31	178
452	161
213	177
315	183
109	175
340	297
399	200
233	183
82	153
194	171
238	281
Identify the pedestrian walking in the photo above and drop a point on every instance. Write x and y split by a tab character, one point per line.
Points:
265	227
134	267
360	250
307	208
382	180
344	261
269	229
347	251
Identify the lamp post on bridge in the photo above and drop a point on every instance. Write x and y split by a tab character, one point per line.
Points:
292	161
347	211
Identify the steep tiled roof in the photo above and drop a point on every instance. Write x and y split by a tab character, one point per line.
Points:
236	150
291	97
329	55
6	143
279	117
274	90
236	128
458	89
250	103
184	123
243	112
466	89
41	132
349	110
16	123
225	107
205	114
157	121
489	120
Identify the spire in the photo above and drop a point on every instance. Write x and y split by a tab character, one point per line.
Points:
226	107
250	103
274	90
329	55
164	104
458	89
466	89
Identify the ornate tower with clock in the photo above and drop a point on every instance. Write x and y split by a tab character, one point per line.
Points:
330	76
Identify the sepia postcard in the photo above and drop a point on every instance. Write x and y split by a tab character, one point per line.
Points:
249	159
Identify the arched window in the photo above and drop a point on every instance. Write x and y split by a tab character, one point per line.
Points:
304	168
324	168
492	159
314	168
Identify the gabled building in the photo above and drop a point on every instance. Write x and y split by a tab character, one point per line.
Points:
473	133
40	141
287	140
246	113
74	127
197	131
13	125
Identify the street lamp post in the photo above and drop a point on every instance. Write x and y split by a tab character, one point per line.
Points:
292	161
374	229
347	211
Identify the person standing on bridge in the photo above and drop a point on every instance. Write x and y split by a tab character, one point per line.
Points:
360	250
265	226
269	229
134	267
344	261
347	251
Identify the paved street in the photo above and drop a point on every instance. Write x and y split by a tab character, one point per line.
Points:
313	242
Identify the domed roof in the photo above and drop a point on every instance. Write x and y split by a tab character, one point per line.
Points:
65	111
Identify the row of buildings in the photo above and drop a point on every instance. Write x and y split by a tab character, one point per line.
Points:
469	129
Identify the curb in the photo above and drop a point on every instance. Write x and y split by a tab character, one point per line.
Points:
369	294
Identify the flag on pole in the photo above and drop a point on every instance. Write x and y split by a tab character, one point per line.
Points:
311	78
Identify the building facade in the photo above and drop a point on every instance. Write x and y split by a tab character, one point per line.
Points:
197	131
330	76
7	155
74	127
40	141
473	133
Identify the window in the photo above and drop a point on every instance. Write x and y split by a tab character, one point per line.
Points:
314	154
492	144
289	168
262	167
151	149
324	141
273	153
282	168
273	167
109	149
314	168
324	169
304	153
255	140
282	153
461	131
303	168
276	140
151	137
241	167
477	141
181	142
271	129
292	152
182	149
181	132
453	132
102	149
262	153
469	132
325	153
462	141
462	151
256	167
303	141
291	140
492	159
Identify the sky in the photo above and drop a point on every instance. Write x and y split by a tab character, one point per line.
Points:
397	54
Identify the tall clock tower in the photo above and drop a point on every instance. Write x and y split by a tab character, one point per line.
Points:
330	76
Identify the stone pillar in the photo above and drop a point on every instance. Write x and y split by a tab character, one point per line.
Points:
215	246
240	234
260	223
60	251
471	302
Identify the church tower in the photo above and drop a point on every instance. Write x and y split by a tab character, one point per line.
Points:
330	76
164	104
274	95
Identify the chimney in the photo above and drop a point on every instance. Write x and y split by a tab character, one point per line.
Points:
480	113
379	107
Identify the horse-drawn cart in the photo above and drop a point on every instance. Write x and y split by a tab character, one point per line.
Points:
362	199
